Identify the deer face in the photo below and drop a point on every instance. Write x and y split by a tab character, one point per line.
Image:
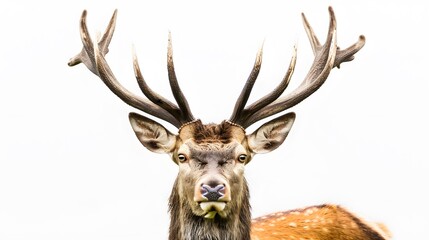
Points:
211	158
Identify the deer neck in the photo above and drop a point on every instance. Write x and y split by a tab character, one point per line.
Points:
184	225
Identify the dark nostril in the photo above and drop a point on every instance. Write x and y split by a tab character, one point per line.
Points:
204	190
221	190
213	193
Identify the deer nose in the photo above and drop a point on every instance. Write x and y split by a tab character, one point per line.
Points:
212	193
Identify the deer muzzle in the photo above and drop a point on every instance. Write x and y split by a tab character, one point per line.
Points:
212	197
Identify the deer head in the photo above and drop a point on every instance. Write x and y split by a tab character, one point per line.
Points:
210	198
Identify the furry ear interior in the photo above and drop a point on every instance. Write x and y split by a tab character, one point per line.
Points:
151	134
272	134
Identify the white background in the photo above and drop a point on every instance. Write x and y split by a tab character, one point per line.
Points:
71	168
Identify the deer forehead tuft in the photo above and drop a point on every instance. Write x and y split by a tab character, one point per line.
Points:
223	132
211	133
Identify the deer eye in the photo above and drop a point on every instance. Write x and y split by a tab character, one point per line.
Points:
182	158
242	158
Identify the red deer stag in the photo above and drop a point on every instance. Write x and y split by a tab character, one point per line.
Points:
210	197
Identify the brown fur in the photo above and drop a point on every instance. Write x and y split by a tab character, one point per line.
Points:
323	222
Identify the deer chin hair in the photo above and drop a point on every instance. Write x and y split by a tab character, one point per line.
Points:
212	208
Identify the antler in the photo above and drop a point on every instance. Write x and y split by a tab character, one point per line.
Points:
92	55
327	56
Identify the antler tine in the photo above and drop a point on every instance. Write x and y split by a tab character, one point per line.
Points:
347	54
186	113
150	94
314	42
86	56
326	57
269	98
237	113
108	34
92	55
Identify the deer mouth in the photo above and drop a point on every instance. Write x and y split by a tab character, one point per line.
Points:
212	208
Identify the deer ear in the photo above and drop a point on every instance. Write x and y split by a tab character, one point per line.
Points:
271	135
151	134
